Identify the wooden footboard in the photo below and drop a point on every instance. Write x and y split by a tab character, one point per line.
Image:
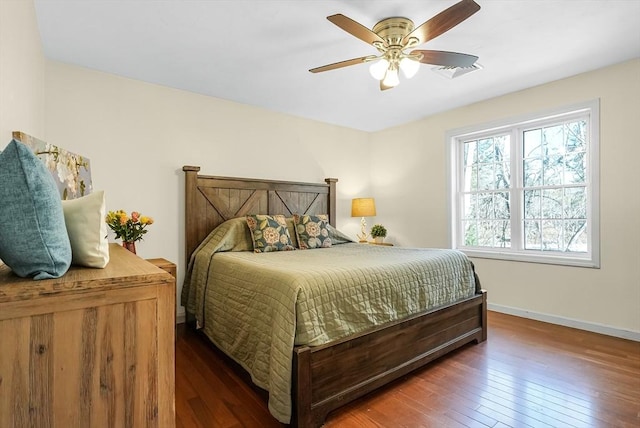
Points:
329	376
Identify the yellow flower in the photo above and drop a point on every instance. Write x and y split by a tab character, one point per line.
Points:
146	220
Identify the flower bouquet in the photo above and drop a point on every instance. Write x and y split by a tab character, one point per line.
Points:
128	228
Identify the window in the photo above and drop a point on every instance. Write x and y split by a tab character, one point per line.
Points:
527	189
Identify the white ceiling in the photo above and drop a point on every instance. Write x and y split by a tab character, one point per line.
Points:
258	52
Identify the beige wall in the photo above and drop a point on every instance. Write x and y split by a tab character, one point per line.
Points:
138	136
411	191
21	71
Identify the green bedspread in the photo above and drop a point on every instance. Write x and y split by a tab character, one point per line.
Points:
256	307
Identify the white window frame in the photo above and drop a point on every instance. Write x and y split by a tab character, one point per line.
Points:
514	126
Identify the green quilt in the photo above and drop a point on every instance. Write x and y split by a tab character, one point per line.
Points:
256	307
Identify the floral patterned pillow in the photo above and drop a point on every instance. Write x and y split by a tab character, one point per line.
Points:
269	233
312	231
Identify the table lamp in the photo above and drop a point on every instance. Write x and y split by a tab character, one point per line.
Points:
363	207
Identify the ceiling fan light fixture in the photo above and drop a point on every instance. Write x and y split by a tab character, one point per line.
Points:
379	68
391	78
394	36
409	67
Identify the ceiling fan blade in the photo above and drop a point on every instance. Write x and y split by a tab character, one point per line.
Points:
340	64
384	87
444	21
355	29
450	59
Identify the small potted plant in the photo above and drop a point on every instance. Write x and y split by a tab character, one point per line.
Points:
378	232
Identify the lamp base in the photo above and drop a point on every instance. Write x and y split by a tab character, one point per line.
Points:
363	231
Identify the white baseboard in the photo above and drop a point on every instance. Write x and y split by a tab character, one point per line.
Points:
567	322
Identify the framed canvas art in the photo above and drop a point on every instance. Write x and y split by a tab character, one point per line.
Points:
70	171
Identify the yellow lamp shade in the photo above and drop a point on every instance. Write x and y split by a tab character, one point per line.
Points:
363	207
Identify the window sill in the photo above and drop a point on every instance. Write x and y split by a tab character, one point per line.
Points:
533	258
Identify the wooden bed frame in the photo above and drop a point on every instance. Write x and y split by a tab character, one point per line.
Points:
327	377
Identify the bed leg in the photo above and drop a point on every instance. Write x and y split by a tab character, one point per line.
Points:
483	308
301	388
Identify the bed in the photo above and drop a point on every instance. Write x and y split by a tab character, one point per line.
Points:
322	377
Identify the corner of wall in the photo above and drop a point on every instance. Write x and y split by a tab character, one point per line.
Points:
21	71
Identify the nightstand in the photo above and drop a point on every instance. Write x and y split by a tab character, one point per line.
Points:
165	265
386	244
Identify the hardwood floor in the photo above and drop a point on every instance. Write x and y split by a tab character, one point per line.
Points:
527	374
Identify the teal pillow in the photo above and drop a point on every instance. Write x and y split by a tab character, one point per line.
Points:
33	235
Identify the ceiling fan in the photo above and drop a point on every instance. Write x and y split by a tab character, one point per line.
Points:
393	36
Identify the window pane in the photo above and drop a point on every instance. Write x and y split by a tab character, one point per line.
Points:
553	169
485	234
470	153
486	177
532	238
575	202
485	150
576	236
470	179
503	175
552	235
503	234
533	143
469	209
501	205
575	168
553	140
485	206
532	172
503	148
470	233
576	136
552	203
532	203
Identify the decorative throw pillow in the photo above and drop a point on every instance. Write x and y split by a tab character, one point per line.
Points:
33	235
312	231
269	233
87	230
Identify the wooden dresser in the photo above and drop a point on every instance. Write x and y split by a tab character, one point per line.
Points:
93	348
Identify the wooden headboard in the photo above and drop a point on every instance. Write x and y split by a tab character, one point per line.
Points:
210	201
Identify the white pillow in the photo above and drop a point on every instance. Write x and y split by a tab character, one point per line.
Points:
87	229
